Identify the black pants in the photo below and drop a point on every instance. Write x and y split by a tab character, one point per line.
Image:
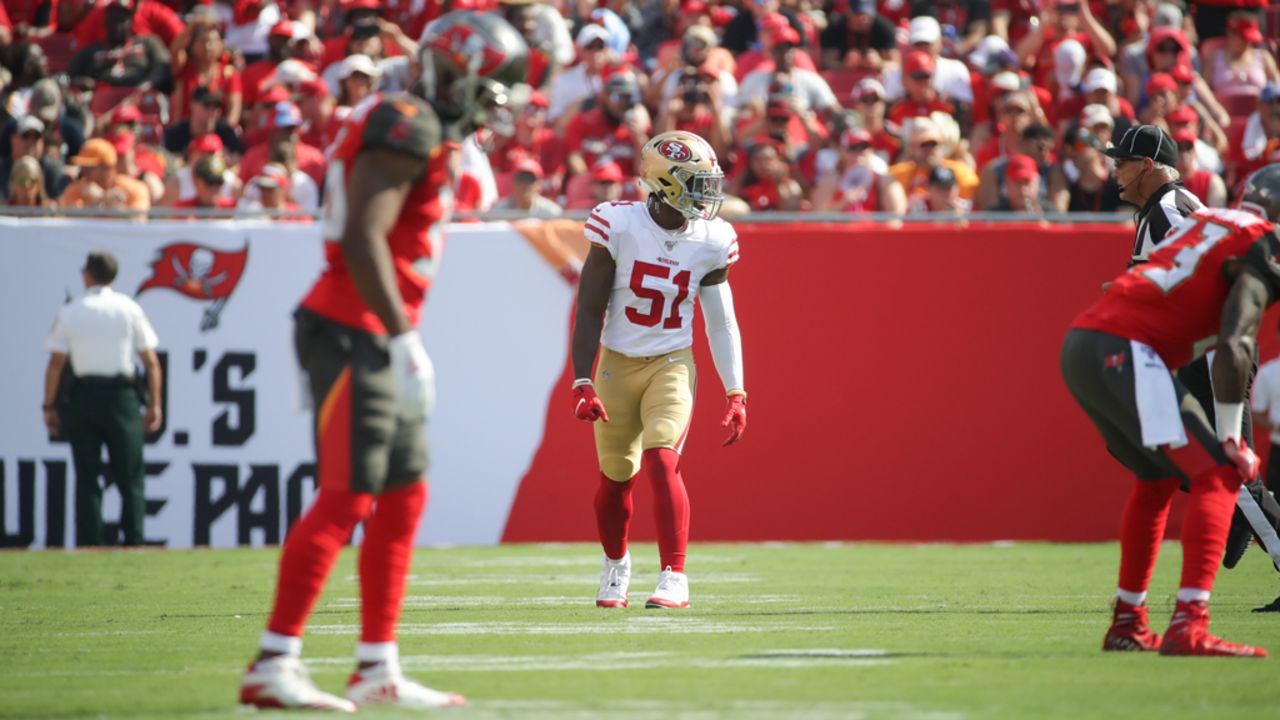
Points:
106	412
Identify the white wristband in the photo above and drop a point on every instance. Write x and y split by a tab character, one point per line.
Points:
1228	418
581	382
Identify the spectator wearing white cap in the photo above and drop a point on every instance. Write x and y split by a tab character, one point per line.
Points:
353	79
583	80
1098	88
951	78
1088	174
272	189
808	89
871	108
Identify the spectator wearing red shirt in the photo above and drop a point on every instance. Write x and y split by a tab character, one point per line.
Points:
271	190
860	181
150	19
208	175
921	97
199	59
366	33
606	186
617	128
279	49
319	126
869	104
1166	49
532	140
697	107
1061	20
30	18
767	184
283	145
774	29
1199	182
1014	112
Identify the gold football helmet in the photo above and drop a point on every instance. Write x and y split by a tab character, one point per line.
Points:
680	169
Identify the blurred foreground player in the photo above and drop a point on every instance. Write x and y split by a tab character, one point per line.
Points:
370	378
646	263
1213	278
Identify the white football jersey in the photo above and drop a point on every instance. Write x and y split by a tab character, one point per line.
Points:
659	272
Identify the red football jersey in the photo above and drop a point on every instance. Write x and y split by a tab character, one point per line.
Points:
408	125
1173	302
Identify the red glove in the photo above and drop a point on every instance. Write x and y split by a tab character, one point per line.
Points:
1244	458
735	418
587	405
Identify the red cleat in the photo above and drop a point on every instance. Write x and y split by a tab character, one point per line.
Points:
1129	630
1188	634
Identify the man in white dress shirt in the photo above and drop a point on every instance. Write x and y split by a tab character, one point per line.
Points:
100	333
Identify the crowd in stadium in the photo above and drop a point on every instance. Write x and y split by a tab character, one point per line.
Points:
851	106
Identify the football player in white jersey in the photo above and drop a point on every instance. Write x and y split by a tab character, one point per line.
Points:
635	305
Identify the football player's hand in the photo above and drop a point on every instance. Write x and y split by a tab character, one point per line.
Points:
414	376
586	404
735	419
1244	458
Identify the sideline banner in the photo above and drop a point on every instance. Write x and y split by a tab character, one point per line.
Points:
233	463
904	385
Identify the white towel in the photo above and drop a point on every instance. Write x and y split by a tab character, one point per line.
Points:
1157	401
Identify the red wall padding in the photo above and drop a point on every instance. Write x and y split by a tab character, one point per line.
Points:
904	385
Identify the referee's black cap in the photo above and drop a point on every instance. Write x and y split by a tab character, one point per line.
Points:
1145	141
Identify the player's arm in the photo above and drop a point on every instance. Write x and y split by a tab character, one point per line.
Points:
725	340
594	289
380	181
1237	343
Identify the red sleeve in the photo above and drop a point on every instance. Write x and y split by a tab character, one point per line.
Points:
152	18
91	30
232	80
4	18
574	133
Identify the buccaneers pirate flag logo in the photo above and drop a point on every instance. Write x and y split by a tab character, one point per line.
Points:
200	273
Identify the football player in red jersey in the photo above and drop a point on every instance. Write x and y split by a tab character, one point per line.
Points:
1206	287
370	378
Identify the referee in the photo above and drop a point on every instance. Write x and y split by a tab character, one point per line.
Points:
100	333
1146	169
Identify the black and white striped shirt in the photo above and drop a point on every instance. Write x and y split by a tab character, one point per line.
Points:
1163	212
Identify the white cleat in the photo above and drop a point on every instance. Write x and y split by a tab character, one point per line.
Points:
282	682
615	578
672	591
383	685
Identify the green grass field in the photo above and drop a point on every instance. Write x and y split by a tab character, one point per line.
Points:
797	631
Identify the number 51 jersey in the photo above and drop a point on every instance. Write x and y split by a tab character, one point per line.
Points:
658	274
1173	303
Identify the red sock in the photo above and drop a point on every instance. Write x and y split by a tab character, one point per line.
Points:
670	506
1204	531
1142	530
309	551
613	516
384	559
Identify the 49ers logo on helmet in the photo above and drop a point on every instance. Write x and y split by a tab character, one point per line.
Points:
675	150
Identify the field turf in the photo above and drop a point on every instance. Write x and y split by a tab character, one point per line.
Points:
777	631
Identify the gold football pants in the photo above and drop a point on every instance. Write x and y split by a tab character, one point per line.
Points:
649	401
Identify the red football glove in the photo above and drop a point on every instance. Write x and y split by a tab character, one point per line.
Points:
735	418
587	405
1244	458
